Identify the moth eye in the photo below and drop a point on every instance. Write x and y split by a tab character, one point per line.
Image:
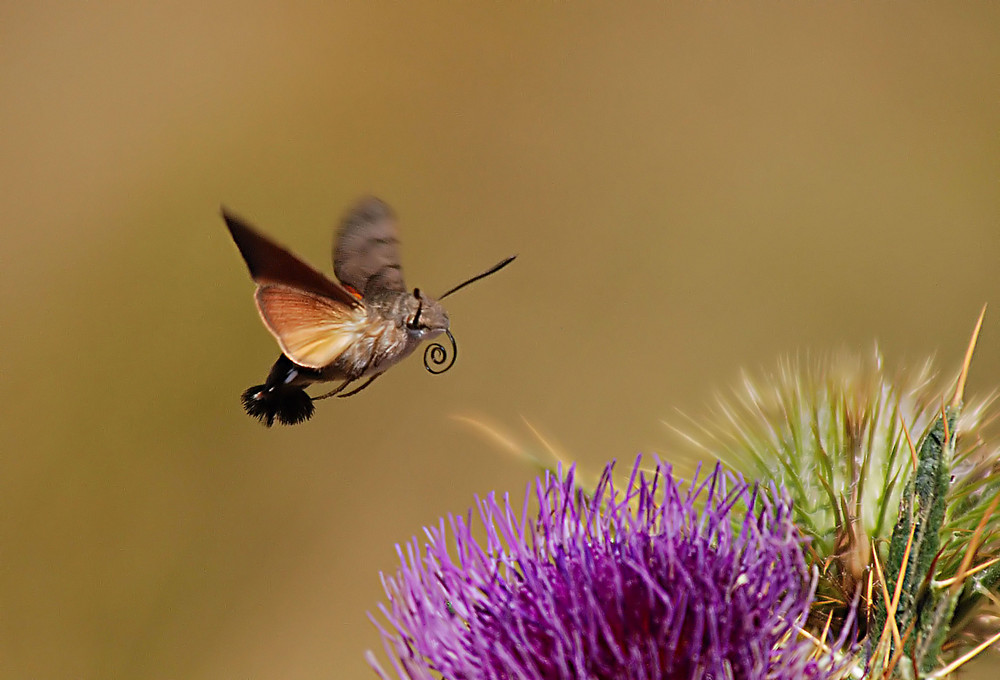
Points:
414	324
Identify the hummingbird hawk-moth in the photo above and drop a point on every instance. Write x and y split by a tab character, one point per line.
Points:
348	330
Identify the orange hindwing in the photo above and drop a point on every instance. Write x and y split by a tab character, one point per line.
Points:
312	330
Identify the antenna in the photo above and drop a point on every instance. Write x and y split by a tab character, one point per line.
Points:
492	270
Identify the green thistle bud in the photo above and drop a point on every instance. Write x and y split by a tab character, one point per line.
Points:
895	481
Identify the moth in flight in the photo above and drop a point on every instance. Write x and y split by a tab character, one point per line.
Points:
349	331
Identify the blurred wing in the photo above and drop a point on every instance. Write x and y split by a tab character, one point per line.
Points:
312	330
269	263
366	250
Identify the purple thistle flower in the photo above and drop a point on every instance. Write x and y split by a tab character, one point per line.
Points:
650	582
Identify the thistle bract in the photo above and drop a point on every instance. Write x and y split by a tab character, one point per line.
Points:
655	580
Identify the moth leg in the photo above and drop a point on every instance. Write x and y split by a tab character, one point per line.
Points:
358	389
336	390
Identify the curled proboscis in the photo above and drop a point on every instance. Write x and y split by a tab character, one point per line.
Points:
436	356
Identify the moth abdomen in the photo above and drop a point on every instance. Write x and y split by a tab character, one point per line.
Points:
288	405
282	397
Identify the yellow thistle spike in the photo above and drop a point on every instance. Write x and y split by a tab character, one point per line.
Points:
944	423
973	546
909	442
956	402
962	660
826	630
503	441
974	570
890	608
557	455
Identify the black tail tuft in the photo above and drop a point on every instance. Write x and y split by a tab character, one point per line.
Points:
290	405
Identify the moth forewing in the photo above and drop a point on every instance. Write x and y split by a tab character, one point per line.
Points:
312	330
270	263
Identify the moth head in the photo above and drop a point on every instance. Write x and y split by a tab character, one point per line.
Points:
425	316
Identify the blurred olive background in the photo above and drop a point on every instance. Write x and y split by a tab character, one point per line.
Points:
692	190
